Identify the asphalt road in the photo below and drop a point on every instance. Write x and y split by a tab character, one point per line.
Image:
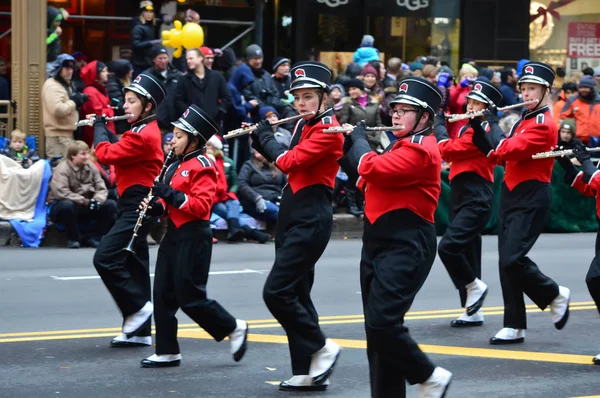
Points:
56	320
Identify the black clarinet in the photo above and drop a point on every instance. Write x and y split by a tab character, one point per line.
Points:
149	198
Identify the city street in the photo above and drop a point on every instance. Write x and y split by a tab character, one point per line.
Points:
57	319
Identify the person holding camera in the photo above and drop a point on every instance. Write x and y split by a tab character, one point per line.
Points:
458	97
78	196
60	104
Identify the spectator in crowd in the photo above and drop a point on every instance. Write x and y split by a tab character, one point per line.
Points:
80	62
209	56
227	63
78	196
54	19
508	80
263	89
109	176
143	37
366	52
445	80
203	87
283	136
336	94
597	78
588	71
167	144
281	76
121	73
568	90
561	73
393	72
566	135
416	68
19	151
60	106
487	73
370	77
95	76
260	187
585	109
458	96
169	77
430	73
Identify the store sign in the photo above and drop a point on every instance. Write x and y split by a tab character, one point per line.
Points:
583	40
400	8
339	7
333	3
413	5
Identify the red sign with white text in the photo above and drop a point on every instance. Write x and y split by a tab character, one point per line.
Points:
583	40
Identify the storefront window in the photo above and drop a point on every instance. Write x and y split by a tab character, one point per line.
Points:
573	41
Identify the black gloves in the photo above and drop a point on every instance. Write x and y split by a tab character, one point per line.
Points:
171	196
480	138
78	99
99	120
94	205
439	127
491	115
569	168
156	209
359	131
264	127
581	153
268	143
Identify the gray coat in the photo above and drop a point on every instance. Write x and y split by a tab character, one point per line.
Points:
254	182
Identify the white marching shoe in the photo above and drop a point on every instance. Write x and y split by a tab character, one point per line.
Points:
238	340
464	320
134	341
303	383
437	384
161	361
560	307
323	362
508	336
476	292
134	321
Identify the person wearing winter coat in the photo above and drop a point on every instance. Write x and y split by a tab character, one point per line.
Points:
227	63
143	37
585	109
119	77
281	76
283	136
260	187
458	97
95	76
366	52
336	94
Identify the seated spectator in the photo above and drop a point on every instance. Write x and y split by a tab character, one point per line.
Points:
260	186
95	76
226	204
19	151
78	195
282	136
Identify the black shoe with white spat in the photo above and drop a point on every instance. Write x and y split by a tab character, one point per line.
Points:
302	383
122	341
161	361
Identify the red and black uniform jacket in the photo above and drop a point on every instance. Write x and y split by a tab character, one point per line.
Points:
138	156
405	176
464	155
193	178
312	156
98	102
535	132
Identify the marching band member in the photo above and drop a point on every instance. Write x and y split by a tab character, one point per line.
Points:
524	206
183	263
587	182
471	182
303	225
401	187
138	159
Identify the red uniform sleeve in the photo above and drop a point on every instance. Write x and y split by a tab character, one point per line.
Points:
203	187
130	149
395	169
458	148
523	146
309	151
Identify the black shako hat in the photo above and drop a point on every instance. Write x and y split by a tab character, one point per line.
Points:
310	74
419	92
148	87
197	122
537	72
485	92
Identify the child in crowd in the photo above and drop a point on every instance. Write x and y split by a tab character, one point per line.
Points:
19	151
282	136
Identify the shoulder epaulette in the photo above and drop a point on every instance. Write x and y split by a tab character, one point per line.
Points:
139	128
539	119
327	120
485	126
416	139
204	161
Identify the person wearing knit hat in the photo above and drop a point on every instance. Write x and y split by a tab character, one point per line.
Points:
253	51
585	109
158	50
95	77
337	93
371	80
281	75
566	135
366	52
209	56
525	203
167	146
283	136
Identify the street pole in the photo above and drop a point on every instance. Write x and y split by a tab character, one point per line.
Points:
258	30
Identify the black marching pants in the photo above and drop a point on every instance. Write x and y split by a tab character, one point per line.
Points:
126	275
180	282
521	219
303	231
397	255
471	199
592	278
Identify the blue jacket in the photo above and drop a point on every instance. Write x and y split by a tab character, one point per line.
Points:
241	78
365	54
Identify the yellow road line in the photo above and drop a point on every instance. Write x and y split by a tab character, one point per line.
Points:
272	323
